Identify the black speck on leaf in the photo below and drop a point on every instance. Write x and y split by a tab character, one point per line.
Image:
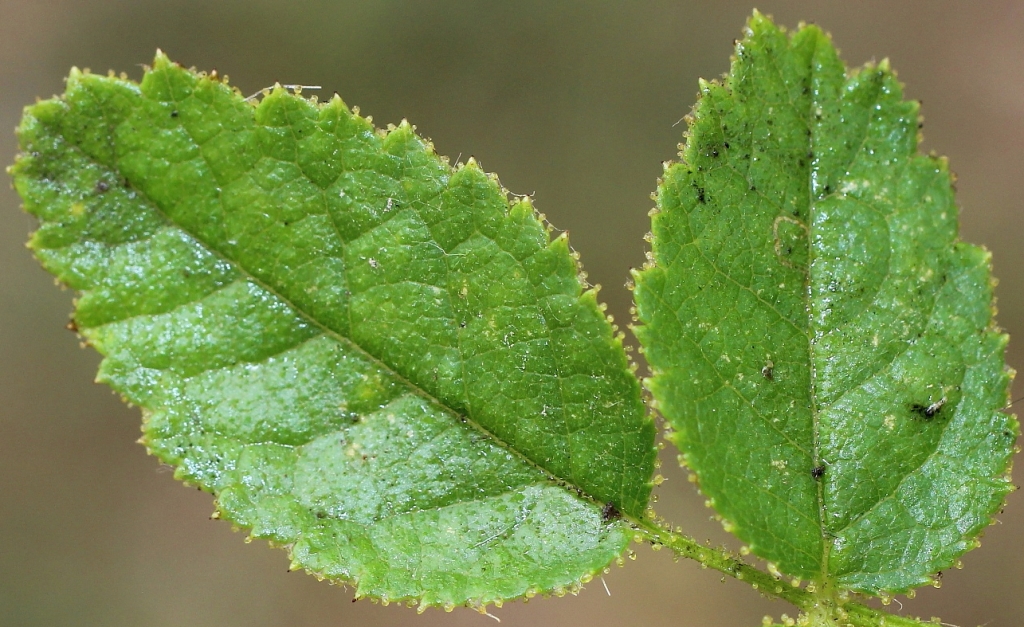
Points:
928	411
609	512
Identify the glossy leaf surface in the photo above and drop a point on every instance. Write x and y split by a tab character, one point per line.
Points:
368	356
821	341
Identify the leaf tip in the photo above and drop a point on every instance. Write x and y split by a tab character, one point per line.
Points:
756	16
74	77
161	60
760	22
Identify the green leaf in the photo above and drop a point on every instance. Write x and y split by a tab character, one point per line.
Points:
370	357
821	342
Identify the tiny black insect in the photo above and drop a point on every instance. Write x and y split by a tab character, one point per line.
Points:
928	411
768	372
935	407
610	512
818	471
101	186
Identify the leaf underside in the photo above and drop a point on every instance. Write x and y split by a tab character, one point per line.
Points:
368	356
821	342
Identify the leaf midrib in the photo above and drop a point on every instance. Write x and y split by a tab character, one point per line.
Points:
329	332
819	482
828	537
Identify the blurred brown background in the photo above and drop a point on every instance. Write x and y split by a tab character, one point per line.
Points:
575	102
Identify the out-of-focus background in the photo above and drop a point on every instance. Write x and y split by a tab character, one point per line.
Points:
574	102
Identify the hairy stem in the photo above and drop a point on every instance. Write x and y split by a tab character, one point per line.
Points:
855	614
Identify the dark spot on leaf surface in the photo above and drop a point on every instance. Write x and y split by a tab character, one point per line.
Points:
609	512
928	411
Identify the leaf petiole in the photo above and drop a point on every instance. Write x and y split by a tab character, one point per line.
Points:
857	614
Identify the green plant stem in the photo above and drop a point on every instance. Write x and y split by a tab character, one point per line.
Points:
858	615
